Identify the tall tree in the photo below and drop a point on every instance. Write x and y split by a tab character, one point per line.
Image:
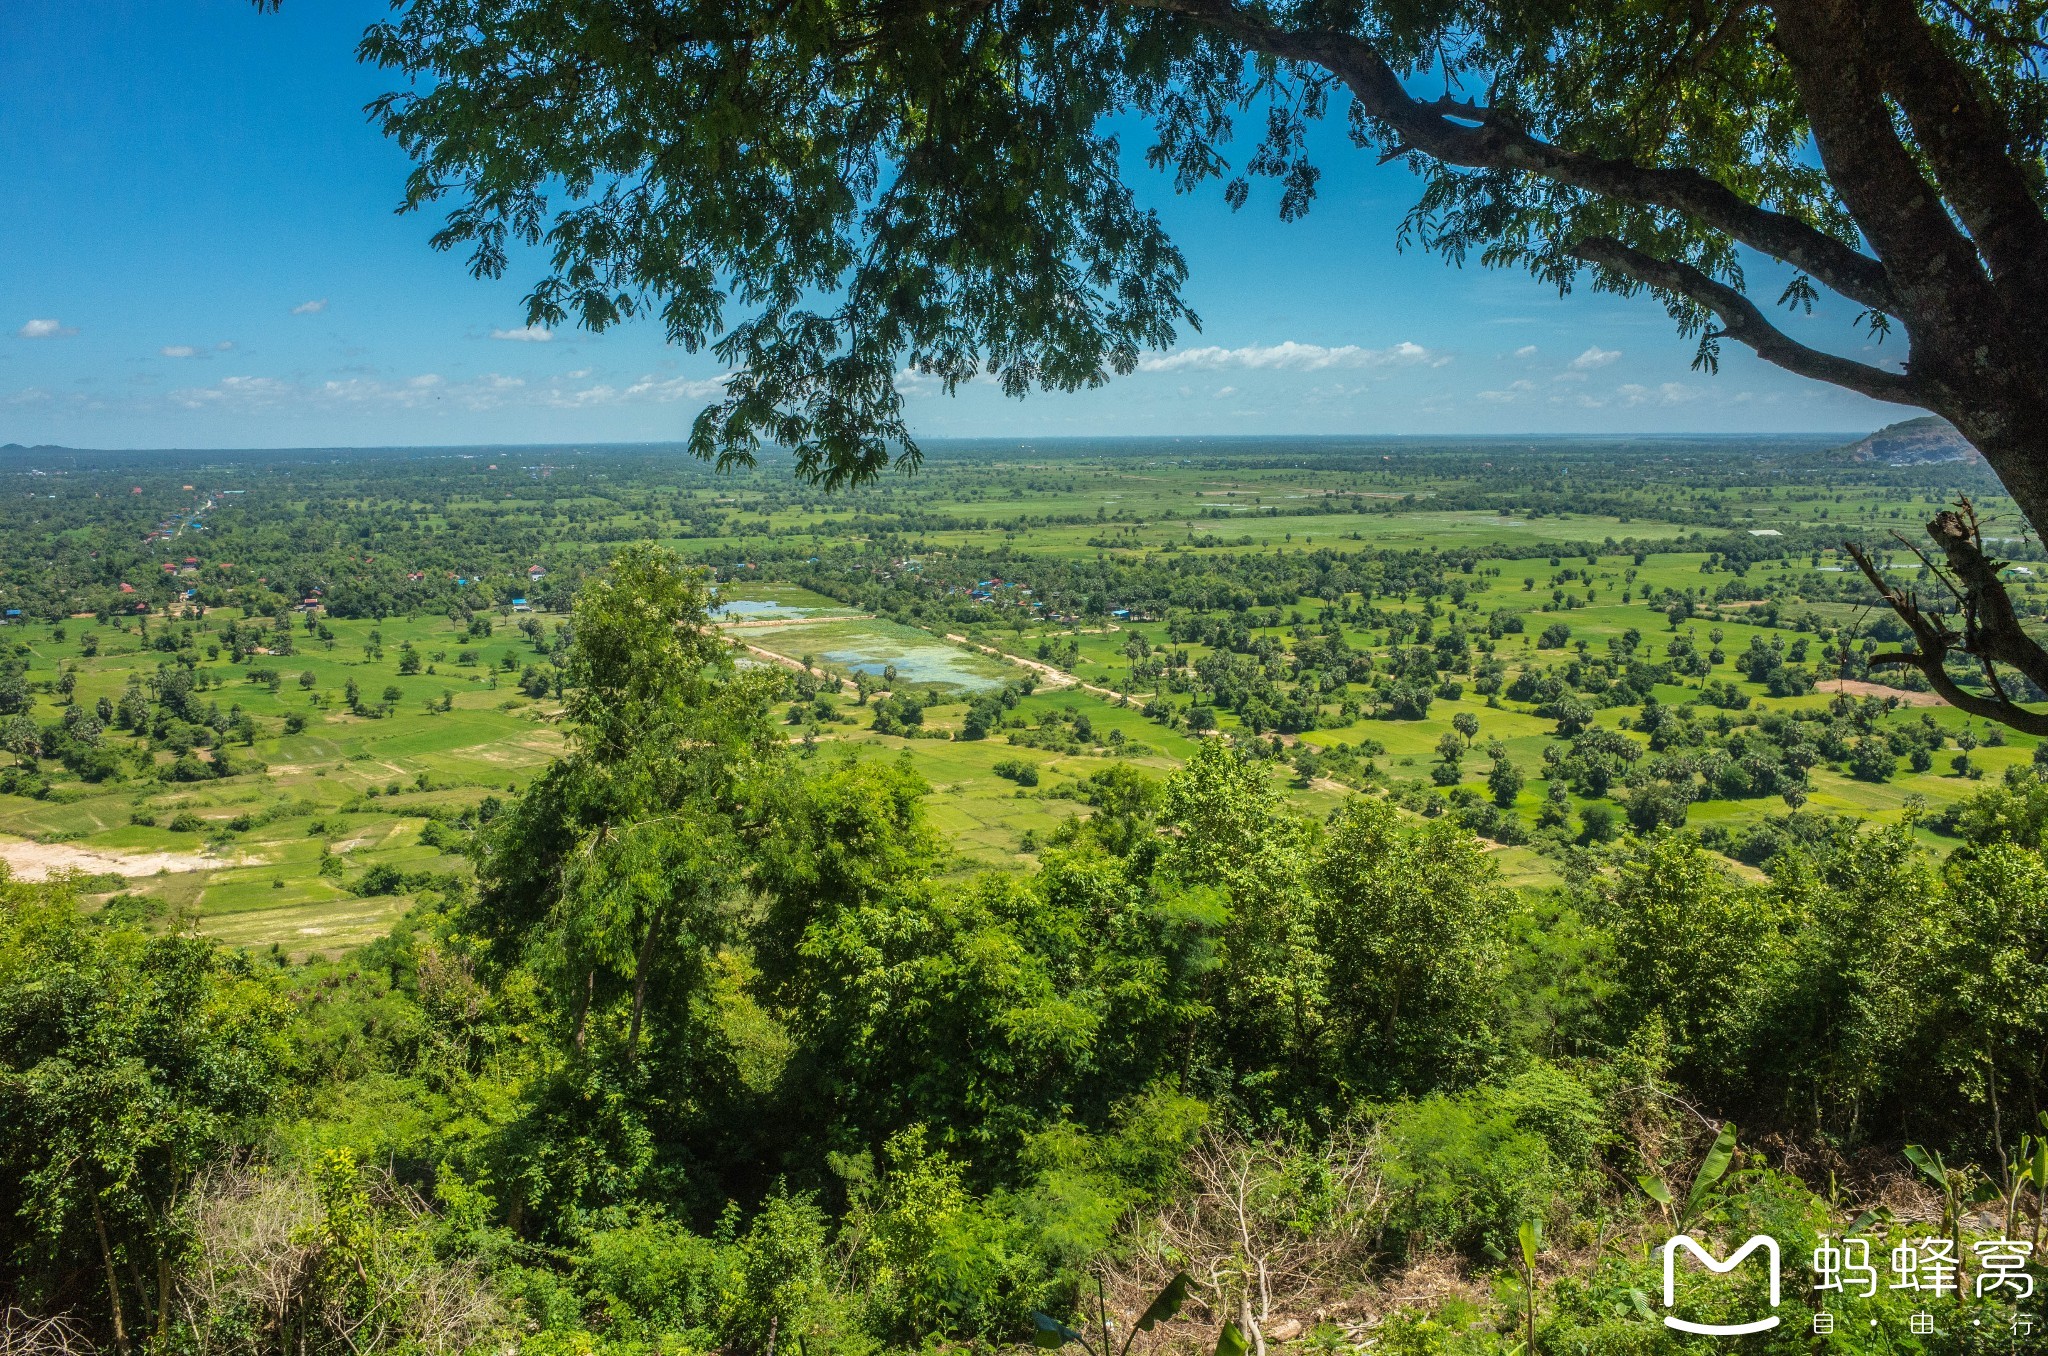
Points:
829	193
615	868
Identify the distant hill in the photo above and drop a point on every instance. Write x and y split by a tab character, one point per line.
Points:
1914	442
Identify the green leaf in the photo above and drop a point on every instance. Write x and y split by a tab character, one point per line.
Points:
1531	1234
2040	1170
1642	1304
1230	1342
1049	1334
1166	1303
1712	1167
1654	1189
1930	1164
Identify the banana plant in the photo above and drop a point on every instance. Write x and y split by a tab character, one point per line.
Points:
1531	1237
2028	1169
2039	1173
1712	1169
1962	1188
1049	1334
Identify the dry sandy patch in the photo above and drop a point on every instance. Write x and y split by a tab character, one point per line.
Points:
39	861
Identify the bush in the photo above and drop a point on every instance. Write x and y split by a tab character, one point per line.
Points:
777	1280
651	1279
1463	1170
1599	822
383	879
1017	770
186	822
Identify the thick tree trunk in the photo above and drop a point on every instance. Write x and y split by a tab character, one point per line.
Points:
2015	445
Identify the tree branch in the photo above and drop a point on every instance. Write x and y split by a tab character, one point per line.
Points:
1443	129
1743	322
1991	630
1932	265
1970	149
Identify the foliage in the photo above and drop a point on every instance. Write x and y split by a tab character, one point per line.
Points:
126	1063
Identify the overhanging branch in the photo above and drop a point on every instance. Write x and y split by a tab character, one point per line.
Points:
1991	629
1742	321
1473	136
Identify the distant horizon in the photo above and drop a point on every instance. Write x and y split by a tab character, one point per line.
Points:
993	440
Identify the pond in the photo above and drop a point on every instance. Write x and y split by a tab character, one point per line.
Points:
918	665
758	608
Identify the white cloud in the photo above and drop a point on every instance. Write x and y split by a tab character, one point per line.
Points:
1294	357
649	390
1223	392
310	307
525	334
492	391
29	395
177	350
1514	391
1595	356
1526	351
1669	393
234	392
45	329
223	346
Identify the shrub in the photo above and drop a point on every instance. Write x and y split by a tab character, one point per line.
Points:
186	822
1463	1170
778	1278
1018	770
383	879
651	1279
1599	822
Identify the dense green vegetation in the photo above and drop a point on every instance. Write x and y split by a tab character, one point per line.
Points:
1372	937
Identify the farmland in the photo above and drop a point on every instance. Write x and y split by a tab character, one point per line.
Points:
270	701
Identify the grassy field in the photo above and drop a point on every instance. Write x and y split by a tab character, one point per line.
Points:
369	737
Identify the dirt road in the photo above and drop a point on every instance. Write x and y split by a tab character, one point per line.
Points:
1055	677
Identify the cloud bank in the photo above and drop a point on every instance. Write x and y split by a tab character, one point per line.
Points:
1294	357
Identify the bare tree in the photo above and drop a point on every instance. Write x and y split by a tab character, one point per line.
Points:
1268	1226
262	1281
26	1334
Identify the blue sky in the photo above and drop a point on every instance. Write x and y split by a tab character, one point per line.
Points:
203	253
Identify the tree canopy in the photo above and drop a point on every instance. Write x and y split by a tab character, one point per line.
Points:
830	194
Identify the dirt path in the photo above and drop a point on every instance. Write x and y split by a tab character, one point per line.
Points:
1856	687
845	684
1056	677
39	861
